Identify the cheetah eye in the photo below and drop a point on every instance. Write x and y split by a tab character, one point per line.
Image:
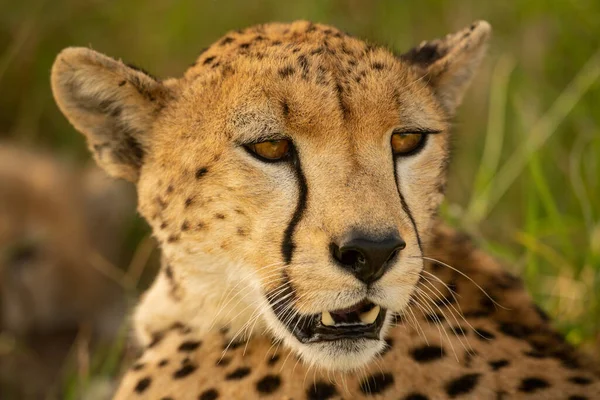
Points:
271	150
406	143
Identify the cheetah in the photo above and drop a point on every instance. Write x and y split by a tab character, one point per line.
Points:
292	177
55	220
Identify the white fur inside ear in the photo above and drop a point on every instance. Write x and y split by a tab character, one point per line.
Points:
112	104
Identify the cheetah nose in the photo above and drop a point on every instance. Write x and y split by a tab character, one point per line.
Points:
367	259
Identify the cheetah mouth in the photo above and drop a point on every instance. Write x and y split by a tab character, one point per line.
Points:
363	320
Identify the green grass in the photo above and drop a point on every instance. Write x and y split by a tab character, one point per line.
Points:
525	177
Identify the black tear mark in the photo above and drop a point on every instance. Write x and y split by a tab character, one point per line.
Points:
533	384
376	383
321	391
427	353
462	385
268	384
288	245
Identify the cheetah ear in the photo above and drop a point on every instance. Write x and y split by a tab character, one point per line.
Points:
448	64
112	104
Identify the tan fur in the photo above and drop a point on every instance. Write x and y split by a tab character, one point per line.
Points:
236	231
53	222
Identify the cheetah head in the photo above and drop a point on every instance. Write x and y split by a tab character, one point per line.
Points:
291	175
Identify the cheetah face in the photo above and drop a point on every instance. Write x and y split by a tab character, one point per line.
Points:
295	169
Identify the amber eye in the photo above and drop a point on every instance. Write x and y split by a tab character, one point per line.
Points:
405	143
271	150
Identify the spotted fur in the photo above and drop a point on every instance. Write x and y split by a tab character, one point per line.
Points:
247	244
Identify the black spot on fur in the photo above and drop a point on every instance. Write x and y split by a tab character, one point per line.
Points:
576	397
220	216
185	370
156	339
238	374
533	384
170	189
223	362
201	172
496	365
427	353
122	83
273	360
286	71
163	362
484	335
189	345
244	46
137	366
340	95
458	330
285	108
188	202
462	385
580	380
210	394
535	354
268	384
226	40
303	62
514	330
142	385
378	66
434	318
208	60
376	383
415	396
173	238
321	391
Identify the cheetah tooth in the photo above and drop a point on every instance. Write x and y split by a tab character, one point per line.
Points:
327	319
370	316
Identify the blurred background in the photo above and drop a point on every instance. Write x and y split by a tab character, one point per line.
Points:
525	177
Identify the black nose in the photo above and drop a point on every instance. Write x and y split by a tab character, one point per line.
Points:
365	258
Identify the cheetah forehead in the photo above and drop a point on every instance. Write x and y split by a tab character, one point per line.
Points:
279	43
